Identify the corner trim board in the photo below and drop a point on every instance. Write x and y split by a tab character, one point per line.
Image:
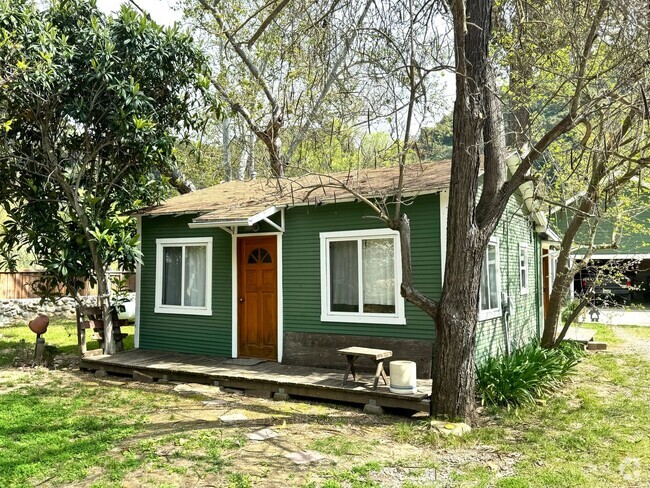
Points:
138	285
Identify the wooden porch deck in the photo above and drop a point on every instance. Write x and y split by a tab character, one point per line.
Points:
261	378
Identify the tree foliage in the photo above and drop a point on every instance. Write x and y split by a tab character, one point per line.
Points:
584	62
435	142
320	76
91	108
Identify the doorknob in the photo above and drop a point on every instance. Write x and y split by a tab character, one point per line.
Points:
241	300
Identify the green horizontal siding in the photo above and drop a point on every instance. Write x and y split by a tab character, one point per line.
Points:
209	335
302	280
513	229
301	257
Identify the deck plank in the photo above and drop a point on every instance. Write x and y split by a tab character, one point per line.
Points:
270	376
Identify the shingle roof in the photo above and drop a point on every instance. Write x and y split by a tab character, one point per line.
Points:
236	200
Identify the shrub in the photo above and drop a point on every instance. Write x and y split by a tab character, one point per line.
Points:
527	374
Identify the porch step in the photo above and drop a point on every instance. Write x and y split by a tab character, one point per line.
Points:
596	346
580	334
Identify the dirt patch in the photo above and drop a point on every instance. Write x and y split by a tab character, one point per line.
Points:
632	344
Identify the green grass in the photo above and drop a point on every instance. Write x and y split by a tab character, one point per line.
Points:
595	432
19	341
527	374
340	445
58	432
61	428
239	480
604	333
357	477
638	331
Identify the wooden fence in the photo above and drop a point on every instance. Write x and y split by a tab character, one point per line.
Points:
19	285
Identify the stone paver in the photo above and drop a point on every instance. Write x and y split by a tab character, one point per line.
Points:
304	457
262	435
233	417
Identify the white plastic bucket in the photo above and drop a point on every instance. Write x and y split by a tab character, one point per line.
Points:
126	310
403	377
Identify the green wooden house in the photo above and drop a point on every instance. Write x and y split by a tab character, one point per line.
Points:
292	270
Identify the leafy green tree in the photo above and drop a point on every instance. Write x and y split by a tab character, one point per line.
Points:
587	58
280	65
435	143
90	108
589	167
589	62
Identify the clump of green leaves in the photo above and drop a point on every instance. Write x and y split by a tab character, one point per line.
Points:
529	373
91	110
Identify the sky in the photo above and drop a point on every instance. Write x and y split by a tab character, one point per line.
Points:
160	10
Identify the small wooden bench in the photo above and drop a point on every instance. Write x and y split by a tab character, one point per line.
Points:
91	318
376	355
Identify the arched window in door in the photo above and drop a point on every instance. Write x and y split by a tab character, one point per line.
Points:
259	255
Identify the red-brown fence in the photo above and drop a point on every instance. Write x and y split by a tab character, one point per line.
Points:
19	285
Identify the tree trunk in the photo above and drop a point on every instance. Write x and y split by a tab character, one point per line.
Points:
271	139
453	389
453	392
564	274
178	180
556	302
104	299
252	172
245	156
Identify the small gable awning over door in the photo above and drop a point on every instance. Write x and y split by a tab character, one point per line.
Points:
228	218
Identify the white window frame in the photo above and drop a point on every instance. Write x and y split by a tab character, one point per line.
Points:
492	312
523	284
397	318
183	242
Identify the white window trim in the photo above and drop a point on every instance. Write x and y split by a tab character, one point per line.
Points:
398	318
523	286
491	313
178	309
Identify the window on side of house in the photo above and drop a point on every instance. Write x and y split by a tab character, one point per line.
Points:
489	297
523	268
360	277
183	276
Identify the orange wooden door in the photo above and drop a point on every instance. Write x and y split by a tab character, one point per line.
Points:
257	297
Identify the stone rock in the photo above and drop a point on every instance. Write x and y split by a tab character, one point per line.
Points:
262	435
233	417
142	377
304	457
214	403
373	409
196	390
